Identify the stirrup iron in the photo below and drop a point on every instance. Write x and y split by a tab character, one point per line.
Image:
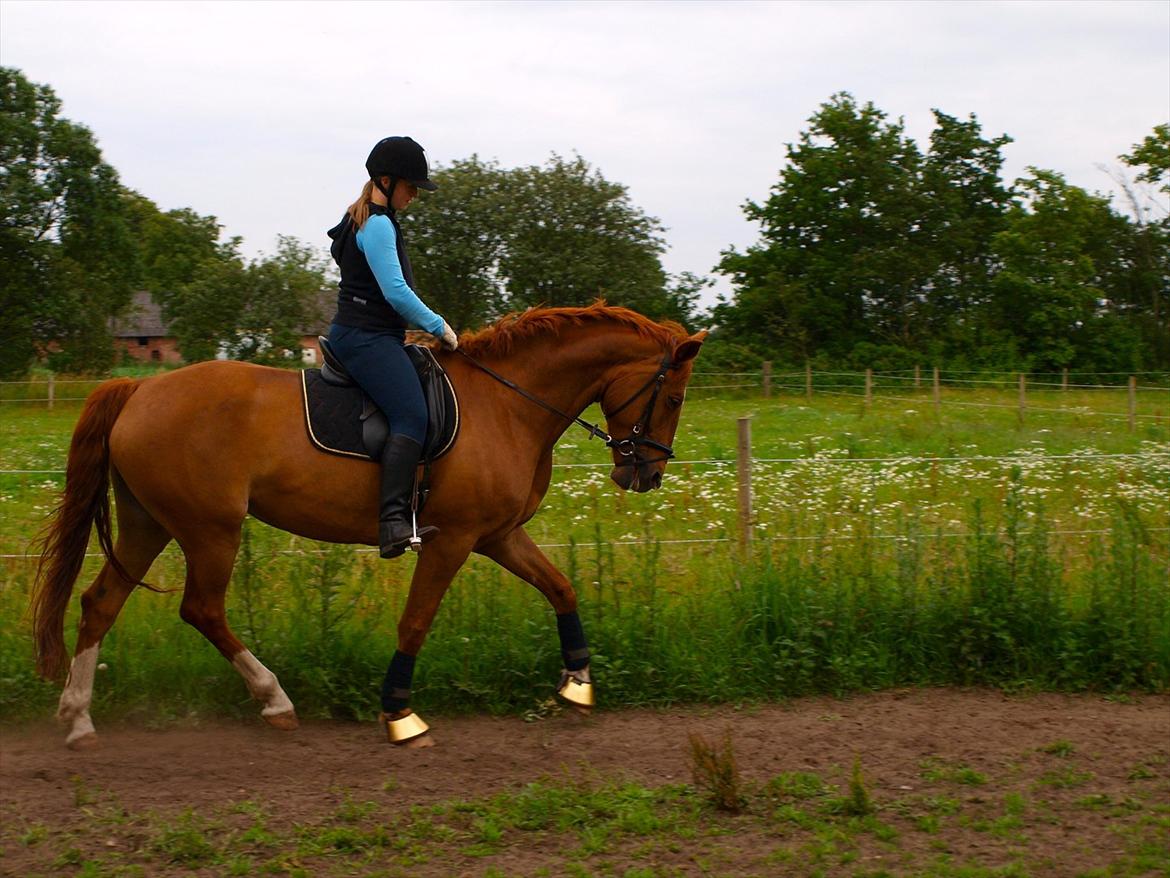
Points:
407	728
415	539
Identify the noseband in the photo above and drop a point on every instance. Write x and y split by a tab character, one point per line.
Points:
627	447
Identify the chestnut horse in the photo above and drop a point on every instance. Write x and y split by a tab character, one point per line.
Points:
190	453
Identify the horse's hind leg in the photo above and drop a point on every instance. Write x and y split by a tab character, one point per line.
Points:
140	539
210	558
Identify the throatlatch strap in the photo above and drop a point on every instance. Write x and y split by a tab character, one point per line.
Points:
574	649
396	684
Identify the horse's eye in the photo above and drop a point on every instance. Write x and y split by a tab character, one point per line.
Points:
674	401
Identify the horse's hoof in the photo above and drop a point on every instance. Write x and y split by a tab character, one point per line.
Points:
286	721
406	730
86	741
581	710
577	691
420	743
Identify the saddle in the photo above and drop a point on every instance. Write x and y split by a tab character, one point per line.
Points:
341	419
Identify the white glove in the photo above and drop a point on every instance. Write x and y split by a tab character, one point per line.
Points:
448	338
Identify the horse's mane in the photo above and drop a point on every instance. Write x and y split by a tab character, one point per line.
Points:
499	338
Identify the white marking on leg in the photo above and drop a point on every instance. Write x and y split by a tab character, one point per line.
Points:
263	685
73	708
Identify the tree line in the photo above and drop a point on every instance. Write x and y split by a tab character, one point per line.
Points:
75	244
871	252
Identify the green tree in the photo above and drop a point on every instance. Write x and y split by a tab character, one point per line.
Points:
682	298
1146	293
68	259
838	261
494	239
1059	258
1153	155
255	310
966	204
574	236
205	314
456	237
173	245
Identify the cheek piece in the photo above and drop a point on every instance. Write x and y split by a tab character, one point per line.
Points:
574	650
396	685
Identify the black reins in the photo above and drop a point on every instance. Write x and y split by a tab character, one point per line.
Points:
627	447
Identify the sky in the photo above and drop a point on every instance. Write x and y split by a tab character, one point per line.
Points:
262	113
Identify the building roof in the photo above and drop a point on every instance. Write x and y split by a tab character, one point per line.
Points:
142	318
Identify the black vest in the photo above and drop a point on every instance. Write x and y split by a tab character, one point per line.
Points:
360	302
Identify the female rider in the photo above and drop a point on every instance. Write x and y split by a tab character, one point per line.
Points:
376	303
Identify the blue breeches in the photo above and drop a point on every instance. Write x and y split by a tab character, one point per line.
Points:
383	370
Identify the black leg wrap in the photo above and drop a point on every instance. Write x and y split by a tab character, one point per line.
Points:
574	650
396	685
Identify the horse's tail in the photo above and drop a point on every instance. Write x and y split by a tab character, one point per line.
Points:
65	537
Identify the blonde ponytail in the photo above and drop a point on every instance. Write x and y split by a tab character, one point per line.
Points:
359	211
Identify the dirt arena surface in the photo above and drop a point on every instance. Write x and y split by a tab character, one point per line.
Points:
1110	752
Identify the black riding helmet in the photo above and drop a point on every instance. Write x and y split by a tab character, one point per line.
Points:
399	158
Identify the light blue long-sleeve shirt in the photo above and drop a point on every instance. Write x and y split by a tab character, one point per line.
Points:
377	240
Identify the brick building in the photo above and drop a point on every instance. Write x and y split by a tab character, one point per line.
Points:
142	334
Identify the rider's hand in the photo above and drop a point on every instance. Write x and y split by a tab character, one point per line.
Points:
449	339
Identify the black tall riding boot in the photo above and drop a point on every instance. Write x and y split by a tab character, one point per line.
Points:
399	461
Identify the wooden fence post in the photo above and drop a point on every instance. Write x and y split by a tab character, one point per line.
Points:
1132	403
52	390
767	379
1064	378
937	393
917	377
743	471
808	382
1023	396
868	388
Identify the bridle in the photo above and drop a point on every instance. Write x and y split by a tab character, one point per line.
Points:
628	447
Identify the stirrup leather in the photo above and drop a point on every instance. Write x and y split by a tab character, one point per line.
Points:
407	728
575	691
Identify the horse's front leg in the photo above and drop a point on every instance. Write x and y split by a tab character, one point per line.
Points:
519	555
437	565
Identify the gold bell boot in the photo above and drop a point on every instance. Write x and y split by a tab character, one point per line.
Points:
576	688
404	729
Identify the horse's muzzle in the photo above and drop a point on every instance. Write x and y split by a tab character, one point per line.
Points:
639	479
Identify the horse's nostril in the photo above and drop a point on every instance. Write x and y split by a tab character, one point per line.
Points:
656	480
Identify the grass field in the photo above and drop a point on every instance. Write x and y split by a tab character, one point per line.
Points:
1037	559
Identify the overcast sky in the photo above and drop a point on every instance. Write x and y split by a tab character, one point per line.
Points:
263	113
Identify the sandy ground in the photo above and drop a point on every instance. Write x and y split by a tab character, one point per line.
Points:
306	773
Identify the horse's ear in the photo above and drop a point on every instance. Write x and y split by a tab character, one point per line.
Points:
689	349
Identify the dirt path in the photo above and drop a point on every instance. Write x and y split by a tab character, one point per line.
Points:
304	776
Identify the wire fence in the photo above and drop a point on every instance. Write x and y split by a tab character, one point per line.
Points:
749	528
903	459
867	387
819	538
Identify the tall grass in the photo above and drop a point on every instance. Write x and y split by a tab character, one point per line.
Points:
794	619
1034	571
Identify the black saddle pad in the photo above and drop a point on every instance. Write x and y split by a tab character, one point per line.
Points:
343	420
